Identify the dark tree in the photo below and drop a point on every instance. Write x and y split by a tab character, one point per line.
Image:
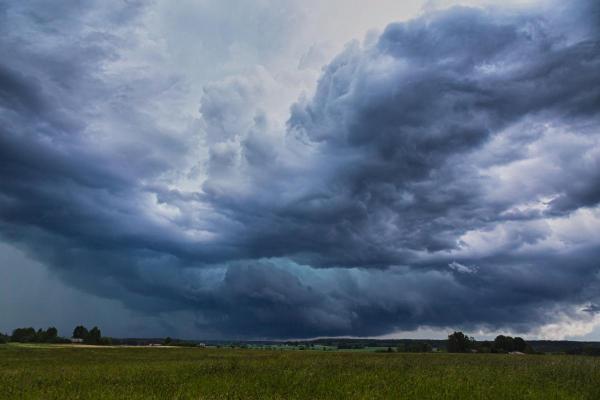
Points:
506	344
40	336
51	334
47	336
23	335
522	346
80	332
94	335
458	342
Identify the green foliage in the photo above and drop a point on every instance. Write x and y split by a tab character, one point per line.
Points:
30	335
80	332
72	372
48	336
458	342
507	344
94	336
23	335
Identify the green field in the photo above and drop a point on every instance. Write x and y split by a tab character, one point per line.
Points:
37	372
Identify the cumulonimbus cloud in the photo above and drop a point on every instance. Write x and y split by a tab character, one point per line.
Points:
462	138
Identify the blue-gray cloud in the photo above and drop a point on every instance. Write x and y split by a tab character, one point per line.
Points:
466	140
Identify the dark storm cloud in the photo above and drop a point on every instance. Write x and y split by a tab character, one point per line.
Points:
396	127
438	177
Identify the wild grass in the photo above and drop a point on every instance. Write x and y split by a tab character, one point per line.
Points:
52	372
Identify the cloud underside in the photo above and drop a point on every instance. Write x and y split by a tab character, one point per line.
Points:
443	174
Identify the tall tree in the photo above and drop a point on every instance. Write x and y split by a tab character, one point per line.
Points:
458	342
51	334
94	335
80	332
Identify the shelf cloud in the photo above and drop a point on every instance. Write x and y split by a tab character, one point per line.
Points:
441	173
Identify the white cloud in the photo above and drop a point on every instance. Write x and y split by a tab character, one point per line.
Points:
463	269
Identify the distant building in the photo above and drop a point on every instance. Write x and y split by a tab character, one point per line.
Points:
76	340
201	345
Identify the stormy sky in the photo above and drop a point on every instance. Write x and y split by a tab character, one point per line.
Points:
269	169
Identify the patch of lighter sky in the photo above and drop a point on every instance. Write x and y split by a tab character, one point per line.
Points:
575	326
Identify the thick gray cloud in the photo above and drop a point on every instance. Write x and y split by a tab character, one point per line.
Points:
443	174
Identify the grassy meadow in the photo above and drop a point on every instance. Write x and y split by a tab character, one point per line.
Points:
55	372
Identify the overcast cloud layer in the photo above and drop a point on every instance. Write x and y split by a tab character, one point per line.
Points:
443	173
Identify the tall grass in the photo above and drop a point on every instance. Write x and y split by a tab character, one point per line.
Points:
189	373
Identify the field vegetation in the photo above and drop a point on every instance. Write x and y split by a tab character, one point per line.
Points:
45	371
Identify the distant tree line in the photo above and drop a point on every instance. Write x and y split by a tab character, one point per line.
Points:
350	346
585	351
168	341
415	347
390	346
50	335
458	342
30	335
92	336
82	334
